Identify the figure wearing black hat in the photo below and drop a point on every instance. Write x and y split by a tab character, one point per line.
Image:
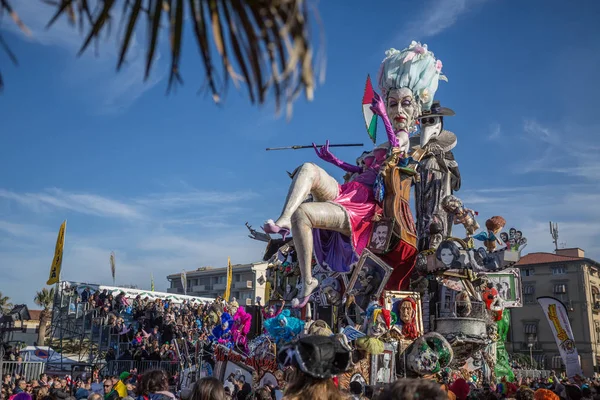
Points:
438	171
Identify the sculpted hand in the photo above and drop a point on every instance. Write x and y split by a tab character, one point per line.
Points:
377	105
324	154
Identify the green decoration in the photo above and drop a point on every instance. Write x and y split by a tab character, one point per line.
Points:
503	368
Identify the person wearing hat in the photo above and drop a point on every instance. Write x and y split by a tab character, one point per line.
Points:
317	359
438	170
120	385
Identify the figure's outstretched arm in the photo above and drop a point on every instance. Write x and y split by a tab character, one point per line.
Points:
378	108
324	154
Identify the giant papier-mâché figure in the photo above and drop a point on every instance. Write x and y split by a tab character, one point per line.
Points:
439	175
337	223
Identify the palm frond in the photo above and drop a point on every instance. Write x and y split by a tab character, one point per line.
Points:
44	298
6	7
268	41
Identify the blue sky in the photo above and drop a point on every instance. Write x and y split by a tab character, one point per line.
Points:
167	182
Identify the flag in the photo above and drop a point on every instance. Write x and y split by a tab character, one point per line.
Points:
370	117
229	279
58	255
113	266
184	281
557	316
151	281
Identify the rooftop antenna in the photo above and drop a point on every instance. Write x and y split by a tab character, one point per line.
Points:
554	234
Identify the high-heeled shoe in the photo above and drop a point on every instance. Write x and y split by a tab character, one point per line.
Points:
270	227
309	290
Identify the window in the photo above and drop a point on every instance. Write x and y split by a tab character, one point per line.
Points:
560	270
597	325
529	294
595	298
237	277
560	292
560	288
530	328
528	272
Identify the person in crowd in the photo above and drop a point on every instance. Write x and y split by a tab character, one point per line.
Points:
109	390
59	390
95	396
208	389
413	389
154	385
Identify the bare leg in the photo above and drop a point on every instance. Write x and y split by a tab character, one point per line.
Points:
309	179
308	216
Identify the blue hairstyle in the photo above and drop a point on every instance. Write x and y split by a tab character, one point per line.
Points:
414	68
291	328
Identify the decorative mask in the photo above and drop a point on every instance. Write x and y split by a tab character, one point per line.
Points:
431	128
402	109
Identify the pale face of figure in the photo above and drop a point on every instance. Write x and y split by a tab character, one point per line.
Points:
431	127
447	257
402	109
380	235
406	312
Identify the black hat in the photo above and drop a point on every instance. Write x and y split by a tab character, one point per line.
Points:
318	356
437	110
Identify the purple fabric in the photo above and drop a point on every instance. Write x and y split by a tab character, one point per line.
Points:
334	250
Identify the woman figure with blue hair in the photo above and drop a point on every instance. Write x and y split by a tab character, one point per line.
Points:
338	222
284	328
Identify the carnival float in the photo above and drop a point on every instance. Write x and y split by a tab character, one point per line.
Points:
404	294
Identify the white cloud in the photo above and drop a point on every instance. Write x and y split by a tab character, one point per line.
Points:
79	202
92	75
495	132
566	149
439	15
530	209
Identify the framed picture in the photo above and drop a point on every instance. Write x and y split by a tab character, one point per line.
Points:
381	235
383	366
331	291
368	279
393	301
508	284
241	372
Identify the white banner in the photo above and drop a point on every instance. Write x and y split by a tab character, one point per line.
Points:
557	316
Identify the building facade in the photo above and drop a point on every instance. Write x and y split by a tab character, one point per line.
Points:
248	282
572	278
31	327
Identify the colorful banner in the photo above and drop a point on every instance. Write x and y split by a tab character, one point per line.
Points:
151	281
183	277
557	316
113	265
58	255
229	279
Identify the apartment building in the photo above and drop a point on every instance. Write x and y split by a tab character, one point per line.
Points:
248	282
574	279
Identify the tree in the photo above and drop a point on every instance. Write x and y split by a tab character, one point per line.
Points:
267	41
44	299
5	304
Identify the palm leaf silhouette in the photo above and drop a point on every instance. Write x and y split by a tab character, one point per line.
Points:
267	41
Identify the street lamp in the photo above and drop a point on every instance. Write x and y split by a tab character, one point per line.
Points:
531	342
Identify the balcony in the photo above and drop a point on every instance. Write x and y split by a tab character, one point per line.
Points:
218	286
199	288
243	285
174	290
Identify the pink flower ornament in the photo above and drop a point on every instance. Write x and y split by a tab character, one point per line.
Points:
438	65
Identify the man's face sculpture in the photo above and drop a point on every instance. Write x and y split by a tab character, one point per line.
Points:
406	312
402	109
431	128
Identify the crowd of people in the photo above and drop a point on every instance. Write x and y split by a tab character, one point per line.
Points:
155	385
